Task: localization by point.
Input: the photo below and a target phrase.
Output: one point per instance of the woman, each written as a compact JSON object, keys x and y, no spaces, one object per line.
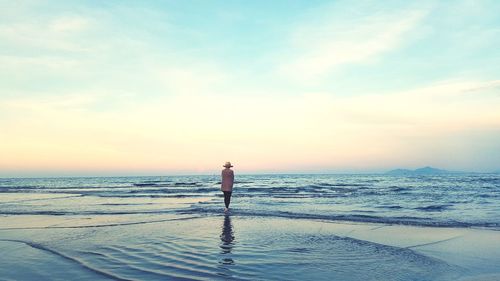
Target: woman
{"x":227,"y":184}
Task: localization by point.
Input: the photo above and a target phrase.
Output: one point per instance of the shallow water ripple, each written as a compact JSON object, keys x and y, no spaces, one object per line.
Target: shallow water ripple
{"x":239,"y":248}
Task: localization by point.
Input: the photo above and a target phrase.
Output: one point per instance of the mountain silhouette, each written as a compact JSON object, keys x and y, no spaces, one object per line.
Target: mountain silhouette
{"x":420,"y":171}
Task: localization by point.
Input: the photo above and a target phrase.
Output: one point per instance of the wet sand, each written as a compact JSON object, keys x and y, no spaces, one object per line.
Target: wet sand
{"x":231,"y":247}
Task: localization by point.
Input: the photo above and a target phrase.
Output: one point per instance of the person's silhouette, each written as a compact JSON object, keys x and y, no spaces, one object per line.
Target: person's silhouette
{"x":227,"y":184}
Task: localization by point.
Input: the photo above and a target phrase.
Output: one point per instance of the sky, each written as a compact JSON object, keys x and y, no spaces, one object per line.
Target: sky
{"x":180,"y":87}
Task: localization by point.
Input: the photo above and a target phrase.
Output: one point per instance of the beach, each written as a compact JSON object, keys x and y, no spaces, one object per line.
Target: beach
{"x":230,"y":247}
{"x":48,"y":234}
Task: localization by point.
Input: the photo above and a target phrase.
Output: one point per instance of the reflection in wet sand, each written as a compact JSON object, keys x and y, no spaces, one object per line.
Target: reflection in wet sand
{"x":227,"y":238}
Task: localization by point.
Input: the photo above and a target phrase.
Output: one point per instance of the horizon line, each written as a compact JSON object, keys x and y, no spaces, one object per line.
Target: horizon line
{"x":243,"y":174}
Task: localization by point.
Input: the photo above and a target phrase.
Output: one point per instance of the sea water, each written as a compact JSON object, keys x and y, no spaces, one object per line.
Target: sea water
{"x":456,"y":200}
{"x":280,"y":227}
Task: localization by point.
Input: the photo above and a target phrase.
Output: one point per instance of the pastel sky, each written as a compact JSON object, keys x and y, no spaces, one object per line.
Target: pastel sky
{"x":180,"y":87}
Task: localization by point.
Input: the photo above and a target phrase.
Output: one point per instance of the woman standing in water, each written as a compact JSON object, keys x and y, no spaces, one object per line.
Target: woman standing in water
{"x":227,"y":184}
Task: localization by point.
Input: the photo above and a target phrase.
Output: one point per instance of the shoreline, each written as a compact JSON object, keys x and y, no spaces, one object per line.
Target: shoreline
{"x":448,"y":253}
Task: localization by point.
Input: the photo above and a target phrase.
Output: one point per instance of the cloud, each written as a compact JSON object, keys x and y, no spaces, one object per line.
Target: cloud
{"x":195,"y":78}
{"x":46,"y":63}
{"x":69,"y":24}
{"x":318,"y":129}
{"x":322,"y":47}
{"x":60,"y":34}
{"x":51,"y":104}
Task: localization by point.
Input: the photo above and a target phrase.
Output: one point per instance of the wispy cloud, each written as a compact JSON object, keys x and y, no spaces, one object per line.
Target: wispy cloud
{"x":319,"y":48}
{"x":195,"y":78}
{"x":317,"y":128}
{"x":59,"y":34}
{"x":69,"y":24}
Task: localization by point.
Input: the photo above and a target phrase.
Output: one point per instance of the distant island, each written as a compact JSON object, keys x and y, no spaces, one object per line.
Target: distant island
{"x":421,"y":171}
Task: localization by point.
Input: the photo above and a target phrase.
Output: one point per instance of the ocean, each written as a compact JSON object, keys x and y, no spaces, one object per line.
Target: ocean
{"x":280,"y":227}
{"x":456,"y":200}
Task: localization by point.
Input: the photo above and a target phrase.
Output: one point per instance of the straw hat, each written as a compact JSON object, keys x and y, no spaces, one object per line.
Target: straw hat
{"x":228,"y":165}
